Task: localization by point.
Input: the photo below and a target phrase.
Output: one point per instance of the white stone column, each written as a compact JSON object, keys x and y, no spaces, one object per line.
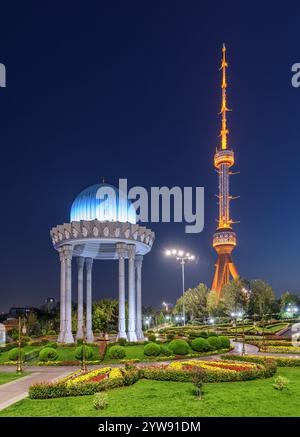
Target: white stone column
{"x":131,"y":294}
{"x":121,"y":251}
{"x":89,"y":331}
{"x":62,"y":304}
{"x":80,"y":266}
{"x":68,"y":337}
{"x":139,"y":326}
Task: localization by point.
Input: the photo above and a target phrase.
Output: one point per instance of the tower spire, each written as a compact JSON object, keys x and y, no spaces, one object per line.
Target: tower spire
{"x":224,"y":109}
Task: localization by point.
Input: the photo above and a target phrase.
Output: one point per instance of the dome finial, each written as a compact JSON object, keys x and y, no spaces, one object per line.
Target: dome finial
{"x":103,"y":180}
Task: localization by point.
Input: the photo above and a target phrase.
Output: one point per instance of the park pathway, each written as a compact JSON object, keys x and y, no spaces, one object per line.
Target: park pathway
{"x":14,"y":391}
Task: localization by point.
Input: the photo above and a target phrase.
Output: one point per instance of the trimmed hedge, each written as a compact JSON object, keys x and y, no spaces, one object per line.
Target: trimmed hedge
{"x":225,"y":341}
{"x":179,"y":347}
{"x":87,"y":350}
{"x":200,"y":345}
{"x":152,"y":349}
{"x":117,"y":352}
{"x":13,"y":354}
{"x":165,"y":351}
{"x":48,"y":354}
{"x":214,"y":342}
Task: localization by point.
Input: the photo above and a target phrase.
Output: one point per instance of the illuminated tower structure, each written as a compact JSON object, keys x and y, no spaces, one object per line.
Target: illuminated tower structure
{"x":224,"y":239}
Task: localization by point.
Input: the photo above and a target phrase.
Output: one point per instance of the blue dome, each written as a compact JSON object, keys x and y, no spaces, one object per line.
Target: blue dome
{"x":104,"y":203}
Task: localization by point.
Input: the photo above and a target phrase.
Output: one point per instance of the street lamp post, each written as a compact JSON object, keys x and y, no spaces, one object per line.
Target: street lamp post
{"x":19,"y":362}
{"x":182,"y":257}
{"x":83,"y":356}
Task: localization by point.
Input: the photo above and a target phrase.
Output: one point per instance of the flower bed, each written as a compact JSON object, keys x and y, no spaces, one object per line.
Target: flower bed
{"x":280,"y":361}
{"x":79,"y":384}
{"x":281,"y":349}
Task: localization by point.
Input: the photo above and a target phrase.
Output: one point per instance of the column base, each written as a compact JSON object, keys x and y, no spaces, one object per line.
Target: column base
{"x":68,"y":338}
{"x":132,"y":336}
{"x":122,"y":334}
{"x":79,"y":334}
{"x":90,"y":337}
{"x":61,"y":336}
{"x":140,"y":335}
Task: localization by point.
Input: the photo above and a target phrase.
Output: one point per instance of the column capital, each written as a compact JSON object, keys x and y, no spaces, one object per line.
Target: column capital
{"x":80,"y":262}
{"x":138,"y":261}
{"x":66,"y":252}
{"x":89,"y":264}
{"x":121,"y":250}
{"x":131,"y":251}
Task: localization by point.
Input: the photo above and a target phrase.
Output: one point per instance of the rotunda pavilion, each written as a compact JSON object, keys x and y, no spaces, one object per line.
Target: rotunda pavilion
{"x":102,"y":227}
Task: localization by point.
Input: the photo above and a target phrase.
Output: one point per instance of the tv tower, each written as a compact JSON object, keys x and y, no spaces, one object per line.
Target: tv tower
{"x":224,"y":239}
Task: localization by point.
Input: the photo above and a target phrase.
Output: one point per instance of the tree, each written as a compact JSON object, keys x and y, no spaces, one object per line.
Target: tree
{"x":105,"y":315}
{"x":288,"y":299}
{"x":195,"y":302}
{"x":235,"y":296}
{"x":32,"y":324}
{"x":262,"y":298}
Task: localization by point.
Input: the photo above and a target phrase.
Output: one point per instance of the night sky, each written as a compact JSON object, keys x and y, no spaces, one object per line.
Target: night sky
{"x":132,"y":89}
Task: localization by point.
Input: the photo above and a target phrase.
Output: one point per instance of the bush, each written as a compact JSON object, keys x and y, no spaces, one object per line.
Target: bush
{"x":117,"y":352}
{"x":225,"y":342}
{"x":214,"y":342}
{"x":165,"y":351}
{"x":152,"y":349}
{"x":200,"y":345}
{"x":87,"y":350}
{"x":13,"y":354}
{"x":152,"y":338}
{"x":48,"y":354}
{"x":100,"y":401}
{"x":281,"y":383}
{"x":179,"y":347}
{"x":122,"y":341}
{"x":170,"y":336}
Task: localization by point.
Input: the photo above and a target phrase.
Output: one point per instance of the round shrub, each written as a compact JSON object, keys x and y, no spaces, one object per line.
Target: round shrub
{"x":48,"y":354}
{"x":152,"y":349}
{"x":87,"y":350}
{"x":122,"y":341}
{"x":165,"y":351}
{"x":200,"y":344}
{"x":225,"y":342}
{"x":13,"y":354}
{"x":117,"y":352}
{"x":214,"y":342}
{"x":179,"y":347}
{"x":152,"y":337}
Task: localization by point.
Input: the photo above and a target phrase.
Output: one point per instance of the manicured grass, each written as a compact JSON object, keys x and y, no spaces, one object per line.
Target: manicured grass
{"x":161,"y":398}
{"x":68,"y":353}
{"x":131,"y":353}
{"x":4,"y":355}
{"x":9,"y":376}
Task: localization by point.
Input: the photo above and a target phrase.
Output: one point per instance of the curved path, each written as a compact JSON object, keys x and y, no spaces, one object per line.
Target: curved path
{"x":17,"y":390}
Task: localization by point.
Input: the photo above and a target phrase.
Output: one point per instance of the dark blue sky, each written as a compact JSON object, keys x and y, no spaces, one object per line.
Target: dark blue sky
{"x":132,"y":89}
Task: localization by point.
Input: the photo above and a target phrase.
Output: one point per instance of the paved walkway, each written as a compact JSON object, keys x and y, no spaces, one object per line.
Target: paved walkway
{"x":16,"y":390}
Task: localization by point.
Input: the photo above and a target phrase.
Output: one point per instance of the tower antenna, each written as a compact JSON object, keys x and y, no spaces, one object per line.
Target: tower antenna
{"x":224,"y":109}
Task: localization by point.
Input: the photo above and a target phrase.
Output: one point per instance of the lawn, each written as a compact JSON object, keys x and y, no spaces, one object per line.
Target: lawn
{"x":174,"y":399}
{"x":68,"y":353}
{"x":131,"y":353}
{"x":4,"y":355}
{"x":9,"y":376}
